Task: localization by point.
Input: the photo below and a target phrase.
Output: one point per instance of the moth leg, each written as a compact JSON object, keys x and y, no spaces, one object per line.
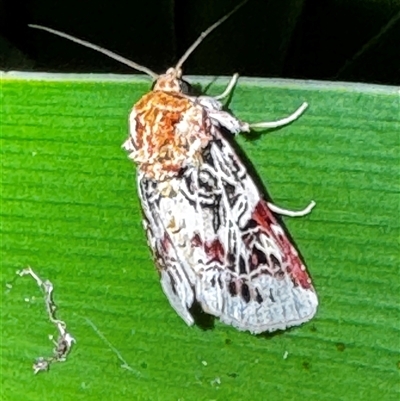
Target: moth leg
{"x":233,"y":124}
{"x":229,"y":88}
{"x":291,"y":213}
{"x":284,"y":121}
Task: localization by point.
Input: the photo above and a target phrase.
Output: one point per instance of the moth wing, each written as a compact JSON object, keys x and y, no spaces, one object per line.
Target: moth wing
{"x":258,"y":282}
{"x":174,"y":280}
{"x":179,"y":294}
{"x":256,"y":304}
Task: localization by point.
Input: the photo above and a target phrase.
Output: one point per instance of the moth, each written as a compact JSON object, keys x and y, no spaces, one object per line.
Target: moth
{"x":216,"y":241}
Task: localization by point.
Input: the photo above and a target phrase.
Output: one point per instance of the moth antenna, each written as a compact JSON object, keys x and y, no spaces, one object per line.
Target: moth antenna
{"x":206,"y":33}
{"x":99,"y":49}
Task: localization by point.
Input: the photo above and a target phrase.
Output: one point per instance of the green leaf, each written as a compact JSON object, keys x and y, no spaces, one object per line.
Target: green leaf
{"x":70,"y":210}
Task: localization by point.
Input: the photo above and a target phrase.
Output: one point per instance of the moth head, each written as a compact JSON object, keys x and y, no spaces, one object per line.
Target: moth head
{"x":171,"y":81}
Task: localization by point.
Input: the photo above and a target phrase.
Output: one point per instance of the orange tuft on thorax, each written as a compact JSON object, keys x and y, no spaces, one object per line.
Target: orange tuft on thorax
{"x":168,"y":132}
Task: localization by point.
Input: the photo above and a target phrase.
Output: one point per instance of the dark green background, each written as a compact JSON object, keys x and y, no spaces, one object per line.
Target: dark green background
{"x":332,"y":39}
